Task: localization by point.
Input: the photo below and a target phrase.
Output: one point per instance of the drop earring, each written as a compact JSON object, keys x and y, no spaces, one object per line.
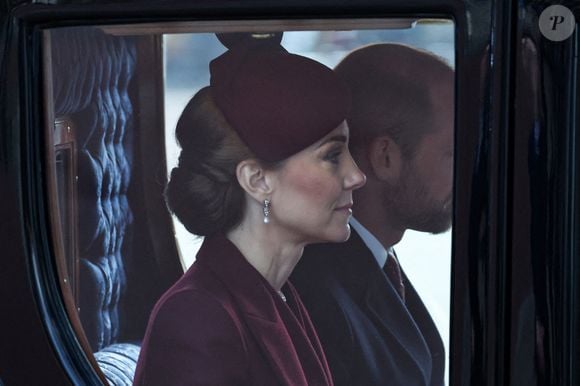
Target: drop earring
{"x":266,"y":210}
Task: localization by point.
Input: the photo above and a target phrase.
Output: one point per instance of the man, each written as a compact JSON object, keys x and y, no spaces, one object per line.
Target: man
{"x":374,"y":328}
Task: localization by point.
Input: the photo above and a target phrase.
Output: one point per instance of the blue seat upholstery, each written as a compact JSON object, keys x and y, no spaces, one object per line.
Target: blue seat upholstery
{"x":92,"y":75}
{"x":94,"y":89}
{"x":118,"y":362}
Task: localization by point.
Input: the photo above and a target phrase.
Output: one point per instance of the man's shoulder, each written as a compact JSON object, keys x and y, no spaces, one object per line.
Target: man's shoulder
{"x":328,"y":259}
{"x":334,"y":270}
{"x":333,"y":258}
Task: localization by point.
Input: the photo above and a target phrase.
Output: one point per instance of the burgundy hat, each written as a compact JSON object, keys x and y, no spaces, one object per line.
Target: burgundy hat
{"x":278,"y":103}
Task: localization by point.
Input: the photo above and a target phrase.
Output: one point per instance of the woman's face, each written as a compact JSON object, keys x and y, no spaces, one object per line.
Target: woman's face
{"x":312,"y":198}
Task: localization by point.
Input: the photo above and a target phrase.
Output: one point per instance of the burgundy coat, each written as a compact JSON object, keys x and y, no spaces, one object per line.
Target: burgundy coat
{"x":223,"y":324}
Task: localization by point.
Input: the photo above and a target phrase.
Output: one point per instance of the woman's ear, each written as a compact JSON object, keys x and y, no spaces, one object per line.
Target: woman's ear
{"x":385,"y":158}
{"x":252,"y":177}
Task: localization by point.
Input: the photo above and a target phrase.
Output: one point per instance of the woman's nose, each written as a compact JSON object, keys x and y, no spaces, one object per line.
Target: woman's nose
{"x":355,"y":178}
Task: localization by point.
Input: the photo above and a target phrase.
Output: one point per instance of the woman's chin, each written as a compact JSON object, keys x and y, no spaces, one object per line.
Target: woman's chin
{"x":336,"y":234}
{"x":341,"y":235}
{"x":346,"y":233}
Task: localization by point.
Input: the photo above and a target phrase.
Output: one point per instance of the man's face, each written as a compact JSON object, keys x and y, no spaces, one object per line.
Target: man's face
{"x":423,"y":198}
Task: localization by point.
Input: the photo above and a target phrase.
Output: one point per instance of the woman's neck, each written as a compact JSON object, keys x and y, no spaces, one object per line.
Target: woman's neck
{"x":267,"y":251}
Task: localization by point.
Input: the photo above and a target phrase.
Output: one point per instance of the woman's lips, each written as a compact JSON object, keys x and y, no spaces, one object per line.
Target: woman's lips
{"x":346,"y":208}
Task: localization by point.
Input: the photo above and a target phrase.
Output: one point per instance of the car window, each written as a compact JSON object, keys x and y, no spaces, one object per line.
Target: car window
{"x":114,"y":96}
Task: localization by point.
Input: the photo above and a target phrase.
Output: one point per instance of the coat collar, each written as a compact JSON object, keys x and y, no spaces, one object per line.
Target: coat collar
{"x":286,"y":338}
{"x":428,"y":329}
{"x":382,"y":300}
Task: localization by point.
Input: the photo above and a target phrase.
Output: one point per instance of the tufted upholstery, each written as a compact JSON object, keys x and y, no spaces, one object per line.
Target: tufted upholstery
{"x":118,"y":363}
{"x":92,"y":72}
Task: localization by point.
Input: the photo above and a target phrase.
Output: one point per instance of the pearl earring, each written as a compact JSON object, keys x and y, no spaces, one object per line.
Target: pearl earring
{"x":266,"y":210}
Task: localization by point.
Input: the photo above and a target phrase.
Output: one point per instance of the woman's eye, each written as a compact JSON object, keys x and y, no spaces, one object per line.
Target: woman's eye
{"x":333,"y":156}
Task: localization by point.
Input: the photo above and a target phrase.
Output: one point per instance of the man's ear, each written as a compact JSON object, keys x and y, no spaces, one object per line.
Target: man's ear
{"x":252,"y":177}
{"x":385,"y":158}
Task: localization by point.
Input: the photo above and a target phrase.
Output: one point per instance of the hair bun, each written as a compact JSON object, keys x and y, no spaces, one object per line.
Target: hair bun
{"x":234,"y":40}
{"x":202,"y":204}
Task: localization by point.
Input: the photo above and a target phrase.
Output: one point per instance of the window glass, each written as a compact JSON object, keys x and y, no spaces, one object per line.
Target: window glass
{"x":114,"y":95}
{"x":187,"y":57}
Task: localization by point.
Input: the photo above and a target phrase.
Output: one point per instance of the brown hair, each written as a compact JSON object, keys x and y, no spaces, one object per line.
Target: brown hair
{"x":390,"y":86}
{"x":203,"y":190}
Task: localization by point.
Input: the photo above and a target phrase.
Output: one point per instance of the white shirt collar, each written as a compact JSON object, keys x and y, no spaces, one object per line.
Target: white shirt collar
{"x":373,"y":244}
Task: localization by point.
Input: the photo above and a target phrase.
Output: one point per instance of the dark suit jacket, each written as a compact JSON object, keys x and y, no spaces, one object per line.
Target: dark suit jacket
{"x":370,"y":337}
{"x":223,"y":324}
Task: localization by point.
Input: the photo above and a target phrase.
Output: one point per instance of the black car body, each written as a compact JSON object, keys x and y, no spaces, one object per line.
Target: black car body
{"x":515,"y":272}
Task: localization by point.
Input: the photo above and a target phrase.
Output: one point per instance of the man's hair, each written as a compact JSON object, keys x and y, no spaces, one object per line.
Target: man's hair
{"x":391,"y":87}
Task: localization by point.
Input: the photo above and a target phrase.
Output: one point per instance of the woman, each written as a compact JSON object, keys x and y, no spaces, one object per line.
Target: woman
{"x":264,"y":170}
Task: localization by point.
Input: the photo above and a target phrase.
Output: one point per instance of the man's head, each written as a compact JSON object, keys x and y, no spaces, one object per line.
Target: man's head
{"x":401,"y":126}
